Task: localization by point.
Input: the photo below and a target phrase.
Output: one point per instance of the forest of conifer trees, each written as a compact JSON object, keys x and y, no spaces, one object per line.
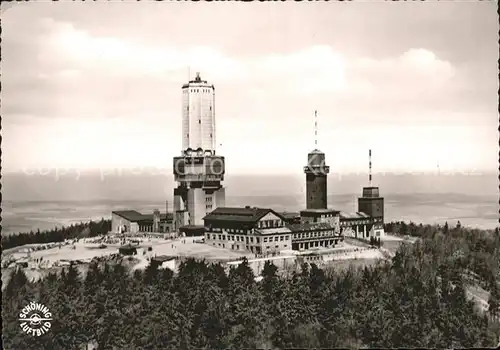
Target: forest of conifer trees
{"x":417,"y":300}
{"x":88,"y":229}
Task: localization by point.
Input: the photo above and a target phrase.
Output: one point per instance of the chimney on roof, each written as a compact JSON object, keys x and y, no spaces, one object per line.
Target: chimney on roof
{"x":247,"y":207}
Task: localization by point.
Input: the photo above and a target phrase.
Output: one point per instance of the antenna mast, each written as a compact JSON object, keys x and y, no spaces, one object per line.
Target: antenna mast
{"x":315,"y":128}
{"x":370,"y":167}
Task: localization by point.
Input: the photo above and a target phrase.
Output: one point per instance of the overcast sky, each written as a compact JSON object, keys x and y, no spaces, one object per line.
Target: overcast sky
{"x":88,"y":85}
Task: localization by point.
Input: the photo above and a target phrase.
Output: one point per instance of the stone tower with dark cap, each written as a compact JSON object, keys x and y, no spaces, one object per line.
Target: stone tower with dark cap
{"x":316,"y":172}
{"x":370,"y":202}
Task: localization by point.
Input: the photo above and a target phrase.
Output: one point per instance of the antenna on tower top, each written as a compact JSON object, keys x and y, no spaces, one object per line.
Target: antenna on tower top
{"x":370,"y":167}
{"x":189,"y":73}
{"x":315,"y":128}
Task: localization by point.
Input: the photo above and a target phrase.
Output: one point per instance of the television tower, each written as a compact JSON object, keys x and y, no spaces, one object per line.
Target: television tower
{"x":370,"y":168}
{"x":198,"y":171}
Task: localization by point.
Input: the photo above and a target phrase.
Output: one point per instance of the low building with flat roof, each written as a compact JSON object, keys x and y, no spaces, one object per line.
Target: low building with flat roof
{"x":131,"y":221}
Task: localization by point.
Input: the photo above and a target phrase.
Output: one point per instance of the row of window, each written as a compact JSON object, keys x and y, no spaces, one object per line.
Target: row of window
{"x":198,"y":90}
{"x":237,"y":246}
{"x":269,"y":223}
{"x":351,"y":223}
{"x":228,"y":230}
{"x":248,"y":239}
{"x":149,"y":228}
{"x":313,"y":234}
{"x":281,"y":238}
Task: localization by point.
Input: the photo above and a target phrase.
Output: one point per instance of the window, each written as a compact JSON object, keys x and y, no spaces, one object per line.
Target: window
{"x":251,"y":239}
{"x":281,"y":238}
{"x":265,"y":239}
{"x":276,"y":239}
{"x":287,"y":237}
{"x":257,"y":239}
{"x":199,"y":121}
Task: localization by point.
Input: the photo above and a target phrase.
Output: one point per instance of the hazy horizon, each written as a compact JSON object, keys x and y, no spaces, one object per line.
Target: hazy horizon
{"x":24,"y":187}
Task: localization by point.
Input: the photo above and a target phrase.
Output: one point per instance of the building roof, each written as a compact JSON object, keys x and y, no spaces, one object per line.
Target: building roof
{"x":316,"y":151}
{"x":135,"y":216}
{"x":319,"y":211}
{"x":246,"y":214}
{"x":357,"y":215}
{"x":289,"y":215}
{"x":273,"y":230}
{"x":310,"y":226}
{"x":130,"y":215}
{"x":187,"y":228}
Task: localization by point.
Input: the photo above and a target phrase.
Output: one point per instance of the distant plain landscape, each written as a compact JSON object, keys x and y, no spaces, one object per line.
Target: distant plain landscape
{"x":33,"y":202}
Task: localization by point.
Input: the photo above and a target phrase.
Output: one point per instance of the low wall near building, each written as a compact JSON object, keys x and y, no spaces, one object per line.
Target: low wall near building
{"x":257,"y":265}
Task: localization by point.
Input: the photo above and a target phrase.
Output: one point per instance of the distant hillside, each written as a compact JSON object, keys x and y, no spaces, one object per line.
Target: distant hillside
{"x":128,"y":186}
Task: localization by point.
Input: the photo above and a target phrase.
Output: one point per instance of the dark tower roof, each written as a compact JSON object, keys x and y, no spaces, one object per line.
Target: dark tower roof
{"x":316,"y":151}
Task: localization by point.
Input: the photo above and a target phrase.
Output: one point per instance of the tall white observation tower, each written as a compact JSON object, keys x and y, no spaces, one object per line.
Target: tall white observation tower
{"x":198,"y":171}
{"x":198,"y":115}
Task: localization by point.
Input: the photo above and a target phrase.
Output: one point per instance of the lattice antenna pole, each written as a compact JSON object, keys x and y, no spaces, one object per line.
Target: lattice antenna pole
{"x":316,"y":128}
{"x":370,"y":167}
